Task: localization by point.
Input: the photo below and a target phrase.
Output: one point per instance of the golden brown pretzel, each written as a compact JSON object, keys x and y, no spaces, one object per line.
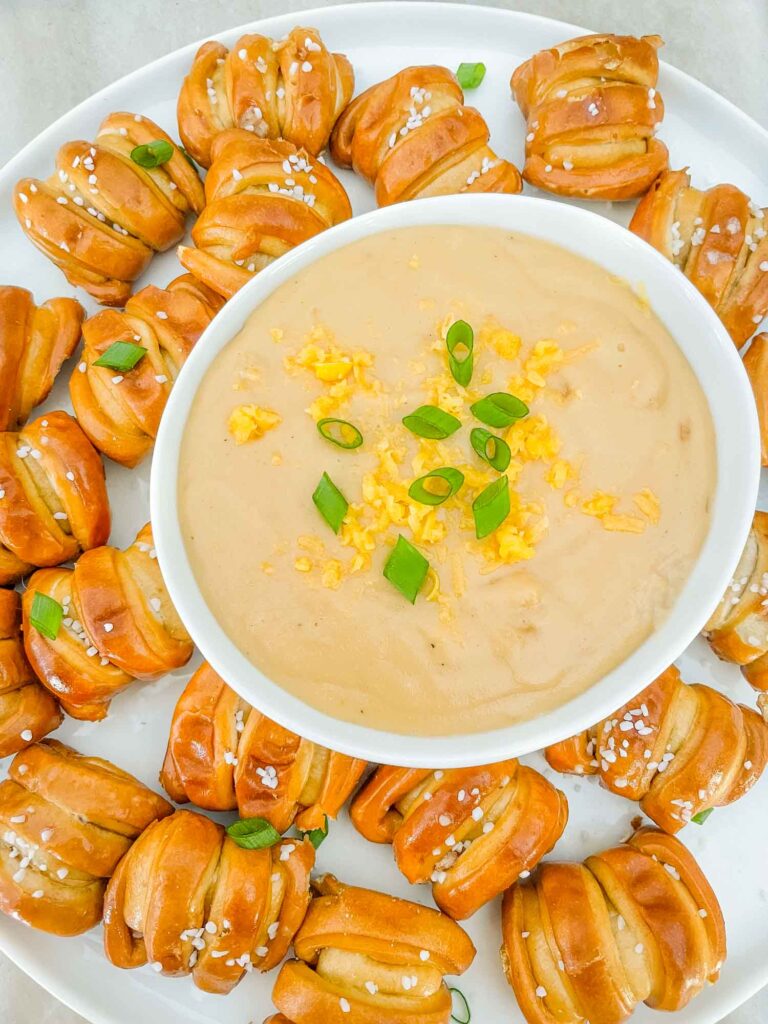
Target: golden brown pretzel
{"x":118,"y":625}
{"x":293,"y":89}
{"x":636,"y":923}
{"x":101,"y":216}
{"x":677,"y":748}
{"x":367,"y":958}
{"x":224,"y":755}
{"x":737,"y":631}
{"x":756,"y":365}
{"x":66,"y":821}
{"x":592,"y":108}
{"x":263,"y":198}
{"x":34,"y":342}
{"x":470,"y":831}
{"x":27,"y":711}
{"x":120,"y":411}
{"x":53,"y":496}
{"x":411,"y":136}
{"x":187,"y":899}
{"x":718,"y":238}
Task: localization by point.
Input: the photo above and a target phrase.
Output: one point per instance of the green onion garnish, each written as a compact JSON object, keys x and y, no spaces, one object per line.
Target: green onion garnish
{"x":460,"y":339}
{"x":470,"y":75}
{"x":448,"y":482}
{"x":318,"y":835}
{"x":122,"y":356}
{"x":491,"y":507}
{"x":406,"y":568}
{"x":429,"y":421}
{"x":466,"y":1013}
{"x":493,"y":450}
{"x":330,"y":502}
{"x":152,"y":154}
{"x":702,"y":816}
{"x":499,"y":409}
{"x":253,"y":833}
{"x":340,"y":432}
{"x":187,"y":157}
{"x":46,"y":615}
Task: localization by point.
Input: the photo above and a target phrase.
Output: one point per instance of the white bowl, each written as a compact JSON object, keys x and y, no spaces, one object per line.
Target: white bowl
{"x":714,"y":360}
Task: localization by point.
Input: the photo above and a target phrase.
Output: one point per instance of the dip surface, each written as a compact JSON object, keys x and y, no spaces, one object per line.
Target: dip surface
{"x":611,"y":479}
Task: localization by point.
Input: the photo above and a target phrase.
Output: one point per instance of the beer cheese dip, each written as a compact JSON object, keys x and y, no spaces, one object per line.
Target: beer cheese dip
{"x":604,"y":437}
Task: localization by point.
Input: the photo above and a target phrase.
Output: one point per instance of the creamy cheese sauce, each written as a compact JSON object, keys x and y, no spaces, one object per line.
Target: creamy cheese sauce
{"x":494,"y":637}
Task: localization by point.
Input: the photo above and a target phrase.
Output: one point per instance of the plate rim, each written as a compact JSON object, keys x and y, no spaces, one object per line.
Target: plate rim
{"x":41,"y":971}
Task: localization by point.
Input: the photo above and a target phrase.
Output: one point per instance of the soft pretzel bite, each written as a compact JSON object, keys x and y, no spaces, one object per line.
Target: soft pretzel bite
{"x":293,"y":89}
{"x":118,"y":625}
{"x":470,"y":831}
{"x":67,"y":819}
{"x":592,"y":109}
{"x":121,"y":411}
{"x":54,"y":497}
{"x":101,"y":215}
{"x":264,"y":197}
{"x":188,"y":899}
{"x":636,"y":923}
{"x":411,"y":136}
{"x":224,"y":755}
{"x":368,"y":958}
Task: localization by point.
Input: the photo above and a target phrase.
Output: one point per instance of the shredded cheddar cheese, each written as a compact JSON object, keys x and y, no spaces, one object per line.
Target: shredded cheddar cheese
{"x":249,"y":422}
{"x":383,"y":506}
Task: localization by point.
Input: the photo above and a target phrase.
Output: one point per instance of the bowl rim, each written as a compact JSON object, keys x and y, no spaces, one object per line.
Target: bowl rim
{"x":709,"y":351}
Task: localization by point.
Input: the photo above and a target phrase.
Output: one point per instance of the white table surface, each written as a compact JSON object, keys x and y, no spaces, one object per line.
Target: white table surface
{"x":54,"y":53}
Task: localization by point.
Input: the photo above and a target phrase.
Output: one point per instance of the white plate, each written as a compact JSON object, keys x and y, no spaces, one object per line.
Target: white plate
{"x":721,"y":144}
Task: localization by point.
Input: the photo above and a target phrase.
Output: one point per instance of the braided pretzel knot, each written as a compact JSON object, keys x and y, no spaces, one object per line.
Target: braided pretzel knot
{"x":738,"y":628}
{"x":54,"y":500}
{"x":293,"y":89}
{"x":592,"y":109}
{"x":718,"y":238}
{"x":636,"y":923}
{"x":101,"y":216}
{"x":224,"y":755}
{"x":121,"y":412}
{"x":264,"y":197}
{"x":677,"y":748}
{"x":27,"y":711}
{"x":470,"y":831}
{"x":119,"y":625}
{"x":34,"y":342}
{"x":187,"y":899}
{"x":367,"y":958}
{"x":67,"y":820}
{"x":411,"y":136}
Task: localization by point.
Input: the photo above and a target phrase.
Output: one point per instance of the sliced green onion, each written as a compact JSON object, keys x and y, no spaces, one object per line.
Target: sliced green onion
{"x":460,"y":337}
{"x":450,"y":481}
{"x":406,"y":568}
{"x":499,"y":409}
{"x":317,"y":836}
{"x":253,"y":833}
{"x":429,"y":421}
{"x":46,"y":615}
{"x":493,"y":450}
{"x":466,"y":1013}
{"x":491,"y":507}
{"x":187,"y":157}
{"x":122,"y":356}
{"x":702,"y":816}
{"x":340,"y":432}
{"x":330,"y":502}
{"x":470,"y":75}
{"x":152,"y":154}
